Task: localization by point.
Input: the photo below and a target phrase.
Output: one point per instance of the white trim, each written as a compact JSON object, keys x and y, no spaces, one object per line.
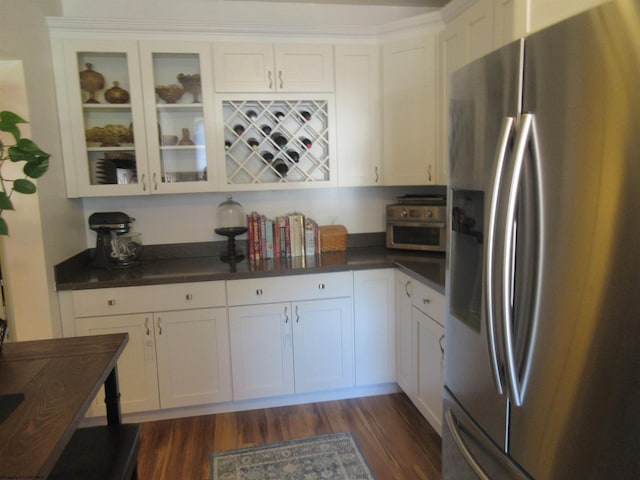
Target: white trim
{"x":455,"y":8}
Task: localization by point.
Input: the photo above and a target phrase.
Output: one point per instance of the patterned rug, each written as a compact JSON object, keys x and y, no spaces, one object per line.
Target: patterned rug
{"x":327,"y":457}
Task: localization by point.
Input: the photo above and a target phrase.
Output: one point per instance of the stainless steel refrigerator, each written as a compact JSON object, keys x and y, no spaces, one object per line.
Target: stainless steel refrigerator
{"x":542,"y":359}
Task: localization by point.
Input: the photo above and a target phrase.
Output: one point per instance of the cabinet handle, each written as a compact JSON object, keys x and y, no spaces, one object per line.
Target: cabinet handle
{"x":144,"y":183}
{"x":111,"y":303}
{"x":189,"y":297}
{"x":280,"y":77}
{"x":155,"y":181}
{"x":286,"y":317}
{"x":429,"y":172}
{"x":270,"y":77}
{"x":259,"y":291}
{"x":321,"y":286}
{"x":441,"y":342}
{"x":426,"y":301}
{"x":377,"y":175}
{"x":146,"y":325}
{"x":406,"y":288}
{"x":159,"y":326}
{"x":297,"y":315}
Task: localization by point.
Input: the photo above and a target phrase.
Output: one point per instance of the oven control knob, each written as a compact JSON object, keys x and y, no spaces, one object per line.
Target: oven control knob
{"x":403,"y":212}
{"x":429,"y":213}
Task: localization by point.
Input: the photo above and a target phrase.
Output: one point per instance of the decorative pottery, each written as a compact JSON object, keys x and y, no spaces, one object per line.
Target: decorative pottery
{"x":116,"y":94}
{"x":191,"y":84}
{"x":186,"y":137}
{"x":170,"y":93}
{"x":91,"y":82}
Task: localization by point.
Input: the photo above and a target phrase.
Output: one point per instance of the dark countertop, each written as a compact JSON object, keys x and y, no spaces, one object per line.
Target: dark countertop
{"x":201,"y":262}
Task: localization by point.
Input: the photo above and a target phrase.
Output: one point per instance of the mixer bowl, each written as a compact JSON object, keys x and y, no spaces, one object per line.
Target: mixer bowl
{"x":124,"y":250}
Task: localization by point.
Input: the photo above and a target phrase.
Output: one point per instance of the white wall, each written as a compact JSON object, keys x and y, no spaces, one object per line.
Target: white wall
{"x":192,"y":218}
{"x":47,"y":227}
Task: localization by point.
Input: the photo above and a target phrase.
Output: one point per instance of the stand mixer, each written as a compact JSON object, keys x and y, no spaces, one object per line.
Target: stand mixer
{"x":116,"y":246}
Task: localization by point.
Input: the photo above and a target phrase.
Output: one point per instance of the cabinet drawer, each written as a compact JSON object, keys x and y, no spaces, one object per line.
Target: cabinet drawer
{"x":289,"y":289}
{"x":428,"y":301}
{"x":148,"y":298}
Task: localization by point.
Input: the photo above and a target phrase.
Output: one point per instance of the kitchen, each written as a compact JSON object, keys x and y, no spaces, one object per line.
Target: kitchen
{"x":366,"y":215}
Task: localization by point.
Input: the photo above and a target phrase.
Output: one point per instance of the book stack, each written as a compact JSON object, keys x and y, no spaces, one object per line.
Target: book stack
{"x":292,"y":235}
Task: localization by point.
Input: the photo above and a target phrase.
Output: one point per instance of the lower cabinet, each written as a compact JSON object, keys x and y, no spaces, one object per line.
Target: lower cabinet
{"x":420,"y":346}
{"x":174,"y":358}
{"x":285,"y":348}
{"x":288,"y":347}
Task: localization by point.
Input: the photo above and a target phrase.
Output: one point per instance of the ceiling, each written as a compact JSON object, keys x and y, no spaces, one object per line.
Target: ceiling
{"x":390,"y":3}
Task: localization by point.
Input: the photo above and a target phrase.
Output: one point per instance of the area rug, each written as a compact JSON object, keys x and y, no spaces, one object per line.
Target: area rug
{"x":326,"y":457}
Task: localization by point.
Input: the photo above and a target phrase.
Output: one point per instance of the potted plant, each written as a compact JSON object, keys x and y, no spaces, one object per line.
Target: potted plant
{"x":36,"y":163}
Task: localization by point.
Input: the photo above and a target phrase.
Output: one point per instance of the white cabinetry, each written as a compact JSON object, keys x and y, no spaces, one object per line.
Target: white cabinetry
{"x":119,"y":137}
{"x":409,"y":90}
{"x":178,"y":350}
{"x":420,"y":324}
{"x":374,"y":308}
{"x":264,"y":67}
{"x":358,"y":115}
{"x":291,"y":334}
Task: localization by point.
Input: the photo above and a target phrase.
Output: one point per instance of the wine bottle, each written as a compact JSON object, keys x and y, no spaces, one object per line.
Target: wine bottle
{"x":306,"y":116}
{"x":239,"y":129}
{"x":252,"y":116}
{"x":267,"y":157}
{"x":293,"y":155}
{"x":253,"y":143}
{"x":266,"y":129}
{"x":306,"y":142}
{"x":279,"y":116}
{"x":279,"y":139}
{"x":227,"y":144}
{"x":281,"y":167}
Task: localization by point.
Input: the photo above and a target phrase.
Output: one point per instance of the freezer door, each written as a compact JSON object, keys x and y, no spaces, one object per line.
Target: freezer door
{"x":468,"y":454}
{"x":579,"y":416}
{"x":485,"y":101}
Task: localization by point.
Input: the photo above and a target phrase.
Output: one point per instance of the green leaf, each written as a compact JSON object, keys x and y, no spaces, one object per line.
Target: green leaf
{"x":36,"y":168}
{"x":26,"y":150}
{"x":5,"y":202}
{"x":24,"y":186}
{"x":9,"y":122}
{"x":4,"y":228}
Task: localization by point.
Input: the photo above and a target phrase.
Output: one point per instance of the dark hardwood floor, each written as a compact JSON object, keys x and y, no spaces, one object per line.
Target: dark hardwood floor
{"x":396,"y":440}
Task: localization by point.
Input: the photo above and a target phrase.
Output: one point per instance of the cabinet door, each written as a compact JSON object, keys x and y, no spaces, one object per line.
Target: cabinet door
{"x":323,"y":345}
{"x":261,"y":350}
{"x":102,"y":118}
{"x":303,"y":68}
{"x":137,"y":364}
{"x":244,"y":67}
{"x":358,"y":115}
{"x":406,"y":345}
{"x":430,"y":361}
{"x":409,"y":89}
{"x":177,"y":79}
{"x":374,"y":302}
{"x":193,"y":357}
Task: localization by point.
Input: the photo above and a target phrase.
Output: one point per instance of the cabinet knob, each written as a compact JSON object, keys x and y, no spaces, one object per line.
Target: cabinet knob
{"x":111,"y":303}
{"x":259,"y":291}
{"x":189,"y":297}
{"x":426,"y":301}
{"x":321,"y":286}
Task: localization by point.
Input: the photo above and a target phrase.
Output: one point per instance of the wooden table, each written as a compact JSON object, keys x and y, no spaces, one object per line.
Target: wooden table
{"x":59,"y":379}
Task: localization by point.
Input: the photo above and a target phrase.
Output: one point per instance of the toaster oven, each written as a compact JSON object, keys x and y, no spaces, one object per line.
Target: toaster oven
{"x":417,"y":223}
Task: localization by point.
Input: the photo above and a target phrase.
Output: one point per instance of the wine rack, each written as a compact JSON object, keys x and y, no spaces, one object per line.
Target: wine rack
{"x":276,"y":141}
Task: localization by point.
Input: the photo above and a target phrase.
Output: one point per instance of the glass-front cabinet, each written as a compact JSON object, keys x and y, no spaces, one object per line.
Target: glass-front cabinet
{"x":134,"y":117}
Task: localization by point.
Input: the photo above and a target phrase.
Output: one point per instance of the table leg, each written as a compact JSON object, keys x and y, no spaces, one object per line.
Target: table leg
{"x":112,"y":398}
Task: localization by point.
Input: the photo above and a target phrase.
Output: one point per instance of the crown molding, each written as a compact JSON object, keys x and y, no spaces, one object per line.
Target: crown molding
{"x":82,"y":26}
{"x":454,"y":8}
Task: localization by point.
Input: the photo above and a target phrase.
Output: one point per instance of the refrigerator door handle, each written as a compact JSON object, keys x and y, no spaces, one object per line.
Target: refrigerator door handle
{"x":452,"y":423}
{"x":490,"y":259}
{"x":516,"y":387}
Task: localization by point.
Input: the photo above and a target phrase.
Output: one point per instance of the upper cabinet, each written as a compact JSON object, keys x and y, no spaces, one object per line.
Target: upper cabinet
{"x":265,"y":67}
{"x":134,"y":120}
{"x":410,"y":109}
{"x":358,"y":115}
